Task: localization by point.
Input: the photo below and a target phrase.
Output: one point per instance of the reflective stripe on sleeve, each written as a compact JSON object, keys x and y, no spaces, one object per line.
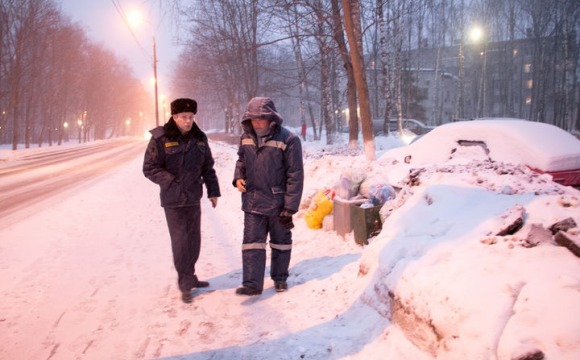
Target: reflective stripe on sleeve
{"x":281,"y":246}
{"x":276,"y":144}
{"x":254,"y":246}
{"x":248,"y":142}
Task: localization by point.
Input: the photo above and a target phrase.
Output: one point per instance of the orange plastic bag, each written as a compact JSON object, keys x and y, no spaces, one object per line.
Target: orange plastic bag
{"x":320,"y":207}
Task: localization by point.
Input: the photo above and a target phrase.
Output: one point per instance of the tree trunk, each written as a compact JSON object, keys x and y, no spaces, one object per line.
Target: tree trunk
{"x":386,"y":62}
{"x":351,"y":12}
{"x":303,"y":87}
{"x":350,"y":83}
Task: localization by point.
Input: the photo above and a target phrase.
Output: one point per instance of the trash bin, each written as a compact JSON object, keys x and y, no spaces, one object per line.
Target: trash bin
{"x":342,"y":214}
{"x":366,"y":222}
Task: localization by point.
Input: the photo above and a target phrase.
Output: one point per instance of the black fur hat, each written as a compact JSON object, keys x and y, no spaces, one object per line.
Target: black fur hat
{"x":183,"y":105}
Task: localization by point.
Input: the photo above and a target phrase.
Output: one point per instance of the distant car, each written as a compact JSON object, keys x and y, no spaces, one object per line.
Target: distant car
{"x":542,"y":147}
{"x":415,"y":126}
{"x":411,"y":127}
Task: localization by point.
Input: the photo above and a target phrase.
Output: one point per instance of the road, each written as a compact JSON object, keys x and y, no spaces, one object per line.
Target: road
{"x":34,"y":177}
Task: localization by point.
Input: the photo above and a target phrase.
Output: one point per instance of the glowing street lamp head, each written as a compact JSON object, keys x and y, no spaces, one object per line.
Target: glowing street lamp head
{"x":476,"y":34}
{"x":135,"y":18}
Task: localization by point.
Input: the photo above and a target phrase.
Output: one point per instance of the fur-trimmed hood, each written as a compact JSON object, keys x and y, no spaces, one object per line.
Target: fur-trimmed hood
{"x":260,"y":107}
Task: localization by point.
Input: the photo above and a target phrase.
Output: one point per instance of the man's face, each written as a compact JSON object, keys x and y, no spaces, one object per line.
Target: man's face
{"x":184,"y":121}
{"x":261,"y":126}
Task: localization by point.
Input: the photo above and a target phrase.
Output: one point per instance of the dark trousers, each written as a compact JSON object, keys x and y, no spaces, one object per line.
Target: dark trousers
{"x":256,"y":230}
{"x":184,"y":230}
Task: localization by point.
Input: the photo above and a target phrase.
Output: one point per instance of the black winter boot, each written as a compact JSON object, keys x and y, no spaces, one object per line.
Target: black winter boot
{"x":186,"y":297}
{"x":280,"y":286}
{"x":198,"y":283}
{"x":243,"y":290}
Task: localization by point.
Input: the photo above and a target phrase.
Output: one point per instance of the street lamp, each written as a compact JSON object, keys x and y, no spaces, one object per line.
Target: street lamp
{"x":65,"y":125}
{"x":155,"y":77}
{"x":80,"y":125}
{"x":127,"y":127}
{"x":477,"y":35}
{"x":135,"y":19}
{"x":1,"y":126}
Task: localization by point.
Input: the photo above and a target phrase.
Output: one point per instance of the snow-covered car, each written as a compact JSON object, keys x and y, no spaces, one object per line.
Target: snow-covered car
{"x":415,"y":126}
{"x":542,"y":147}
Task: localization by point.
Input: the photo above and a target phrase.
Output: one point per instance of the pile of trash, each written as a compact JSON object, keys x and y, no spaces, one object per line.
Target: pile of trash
{"x":354,"y":202}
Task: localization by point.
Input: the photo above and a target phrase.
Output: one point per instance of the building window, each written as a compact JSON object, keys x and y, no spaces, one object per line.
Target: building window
{"x":527,"y":68}
{"x":530,"y":84}
{"x":528,"y":100}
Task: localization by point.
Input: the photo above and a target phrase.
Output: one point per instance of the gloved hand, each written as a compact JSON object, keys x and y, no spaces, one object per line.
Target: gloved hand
{"x":286,"y":219}
{"x":213,"y":201}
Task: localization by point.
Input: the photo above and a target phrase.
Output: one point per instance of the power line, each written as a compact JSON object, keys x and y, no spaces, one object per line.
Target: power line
{"x":121,"y":13}
{"x":123,"y":16}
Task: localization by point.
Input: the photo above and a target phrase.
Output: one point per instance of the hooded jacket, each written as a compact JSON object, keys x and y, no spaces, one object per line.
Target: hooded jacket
{"x":180,"y":164}
{"x":272,"y":167}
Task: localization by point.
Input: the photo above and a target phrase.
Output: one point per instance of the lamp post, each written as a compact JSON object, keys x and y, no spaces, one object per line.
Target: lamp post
{"x":477,"y":35}
{"x":2,"y":129}
{"x":134,"y":19}
{"x":461,"y":100}
{"x":164,"y":111}
{"x":80,"y":124}
{"x":65,"y":126}
{"x":128,"y":127}
{"x":155,"y":77}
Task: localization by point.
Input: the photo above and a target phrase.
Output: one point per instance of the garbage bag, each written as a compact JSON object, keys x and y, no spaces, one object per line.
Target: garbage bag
{"x":320,"y":207}
{"x":349,"y":183}
{"x":370,"y":181}
{"x":379,"y":194}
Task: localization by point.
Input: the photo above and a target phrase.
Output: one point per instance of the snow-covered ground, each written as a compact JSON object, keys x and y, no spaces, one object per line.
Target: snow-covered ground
{"x":89,"y":275}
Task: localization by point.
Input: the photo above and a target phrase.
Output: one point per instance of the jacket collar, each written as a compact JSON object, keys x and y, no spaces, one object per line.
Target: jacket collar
{"x":173,"y":133}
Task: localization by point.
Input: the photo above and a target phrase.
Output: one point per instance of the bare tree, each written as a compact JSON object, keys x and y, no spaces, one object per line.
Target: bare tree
{"x":66,"y":63}
{"x":19,"y":38}
{"x":303,"y":81}
{"x":326,"y":53}
{"x":565,"y":51}
{"x":351,"y":95}
{"x":52,"y":77}
{"x":541,"y":15}
{"x":353,"y":31}
{"x":401,"y":37}
{"x":224,"y":49}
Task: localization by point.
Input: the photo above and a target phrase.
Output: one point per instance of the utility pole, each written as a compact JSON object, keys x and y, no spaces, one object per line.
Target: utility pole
{"x":461,"y":105}
{"x":155,"y":79}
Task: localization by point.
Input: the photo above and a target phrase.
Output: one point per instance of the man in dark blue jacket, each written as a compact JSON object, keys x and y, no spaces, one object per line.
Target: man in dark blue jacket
{"x":270,"y":175}
{"x":179,"y":159}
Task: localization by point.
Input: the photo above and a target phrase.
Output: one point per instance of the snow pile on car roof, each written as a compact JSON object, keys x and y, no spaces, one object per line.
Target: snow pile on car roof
{"x":538,"y":145}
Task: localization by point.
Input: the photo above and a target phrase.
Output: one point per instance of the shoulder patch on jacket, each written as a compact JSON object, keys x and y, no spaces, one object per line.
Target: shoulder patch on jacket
{"x":248,"y":142}
{"x":171,"y":144}
{"x":201,"y":143}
